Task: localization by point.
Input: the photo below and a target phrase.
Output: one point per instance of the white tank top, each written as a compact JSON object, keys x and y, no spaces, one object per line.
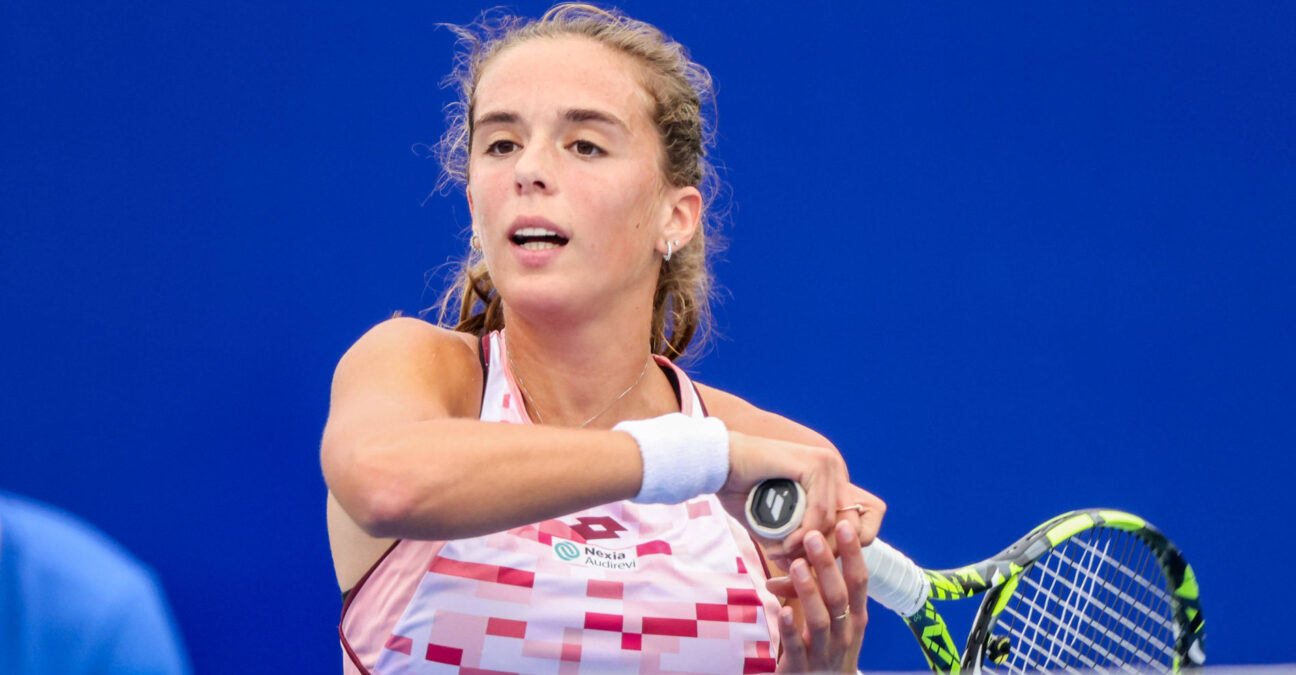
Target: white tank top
{"x":622,"y":587}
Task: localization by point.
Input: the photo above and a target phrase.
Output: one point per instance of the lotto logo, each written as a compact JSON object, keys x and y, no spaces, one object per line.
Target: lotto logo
{"x":601,"y":527}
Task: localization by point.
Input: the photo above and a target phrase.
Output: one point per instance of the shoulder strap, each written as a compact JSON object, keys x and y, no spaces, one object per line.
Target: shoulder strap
{"x":674,"y":383}
{"x":678,"y":378}
{"x":483,"y":355}
{"x":701,"y":401}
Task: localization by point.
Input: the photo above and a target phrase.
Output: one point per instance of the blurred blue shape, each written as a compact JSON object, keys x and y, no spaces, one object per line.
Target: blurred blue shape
{"x":74,"y":601}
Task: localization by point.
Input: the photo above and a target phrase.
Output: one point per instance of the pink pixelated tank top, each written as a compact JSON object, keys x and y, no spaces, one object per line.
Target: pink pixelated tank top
{"x":619,"y":588}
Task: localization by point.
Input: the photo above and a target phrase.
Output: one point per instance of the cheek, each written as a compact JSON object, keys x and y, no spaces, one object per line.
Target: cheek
{"x":632,"y":199}
{"x":628,"y":212}
{"x":486,"y":190}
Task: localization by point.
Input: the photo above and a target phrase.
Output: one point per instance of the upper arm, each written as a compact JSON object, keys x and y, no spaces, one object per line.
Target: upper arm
{"x":743,"y":417}
{"x":402,"y":371}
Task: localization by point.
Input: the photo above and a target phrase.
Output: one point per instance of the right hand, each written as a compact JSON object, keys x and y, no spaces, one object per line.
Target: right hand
{"x":833,"y":602}
{"x":822,"y":473}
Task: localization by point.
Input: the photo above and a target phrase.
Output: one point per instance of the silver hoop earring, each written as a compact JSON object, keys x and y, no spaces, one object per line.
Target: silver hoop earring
{"x":668,"y":251}
{"x":475,"y":242}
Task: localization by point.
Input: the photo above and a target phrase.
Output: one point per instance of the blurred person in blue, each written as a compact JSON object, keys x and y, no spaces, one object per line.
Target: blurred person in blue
{"x":74,"y":601}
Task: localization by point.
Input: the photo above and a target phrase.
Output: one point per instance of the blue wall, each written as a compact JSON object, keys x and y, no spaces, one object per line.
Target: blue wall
{"x":1012,"y":260}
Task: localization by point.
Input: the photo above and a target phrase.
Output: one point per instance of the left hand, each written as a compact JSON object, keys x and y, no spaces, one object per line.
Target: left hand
{"x":833,"y":605}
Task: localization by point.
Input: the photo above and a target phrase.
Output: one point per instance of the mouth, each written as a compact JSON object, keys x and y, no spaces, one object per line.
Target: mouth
{"x":534,"y":234}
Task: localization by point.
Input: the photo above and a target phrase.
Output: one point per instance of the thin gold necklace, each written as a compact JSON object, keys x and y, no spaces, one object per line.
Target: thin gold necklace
{"x":535,"y":406}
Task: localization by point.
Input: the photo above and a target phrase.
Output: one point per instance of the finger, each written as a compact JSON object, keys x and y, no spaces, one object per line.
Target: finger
{"x":820,"y":513}
{"x":832,"y":585}
{"x":853,"y":571}
{"x":775,"y":550}
{"x":849,"y":515}
{"x":829,"y":501}
{"x":790,"y":547}
{"x":817,"y":621}
{"x":794,"y":649}
{"x":870,"y":521}
{"x":781,"y":587}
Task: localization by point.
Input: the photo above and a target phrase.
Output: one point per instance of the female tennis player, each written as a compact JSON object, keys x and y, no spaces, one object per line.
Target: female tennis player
{"x":540,"y":488}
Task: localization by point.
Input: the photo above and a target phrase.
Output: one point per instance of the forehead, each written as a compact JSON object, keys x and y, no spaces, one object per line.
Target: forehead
{"x":550,"y":74}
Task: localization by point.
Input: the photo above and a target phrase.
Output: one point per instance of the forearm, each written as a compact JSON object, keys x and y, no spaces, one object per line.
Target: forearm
{"x":456,"y":478}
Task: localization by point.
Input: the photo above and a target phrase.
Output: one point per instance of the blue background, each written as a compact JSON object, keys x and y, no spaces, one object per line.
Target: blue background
{"x":1012,"y":259}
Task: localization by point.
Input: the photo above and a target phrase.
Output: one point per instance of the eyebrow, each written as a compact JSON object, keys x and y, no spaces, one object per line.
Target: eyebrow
{"x":589,"y":115}
{"x":572,"y":115}
{"x":500,"y":117}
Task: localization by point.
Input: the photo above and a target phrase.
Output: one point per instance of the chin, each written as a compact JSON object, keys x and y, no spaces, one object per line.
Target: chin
{"x":544,"y":300}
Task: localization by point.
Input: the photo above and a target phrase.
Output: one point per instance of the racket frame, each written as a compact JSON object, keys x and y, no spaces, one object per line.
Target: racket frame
{"x":997,"y":577}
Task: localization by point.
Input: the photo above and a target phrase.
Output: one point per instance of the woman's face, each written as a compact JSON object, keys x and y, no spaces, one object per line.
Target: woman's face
{"x":564,"y":181}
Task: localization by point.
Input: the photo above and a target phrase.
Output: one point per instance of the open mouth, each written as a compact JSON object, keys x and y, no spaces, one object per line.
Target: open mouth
{"x":538,"y":238}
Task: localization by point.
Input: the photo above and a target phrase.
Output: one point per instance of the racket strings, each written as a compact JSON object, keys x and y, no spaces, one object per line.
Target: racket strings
{"x":1095,"y":603}
{"x":1082,"y":604}
{"x":1142,"y":608}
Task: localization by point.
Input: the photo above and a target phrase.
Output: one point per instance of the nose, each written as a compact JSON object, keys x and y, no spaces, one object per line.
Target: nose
{"x":531,"y":171}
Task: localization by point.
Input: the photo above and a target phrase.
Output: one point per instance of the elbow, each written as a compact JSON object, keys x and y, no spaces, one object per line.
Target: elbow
{"x":383,"y":510}
{"x":378,"y":497}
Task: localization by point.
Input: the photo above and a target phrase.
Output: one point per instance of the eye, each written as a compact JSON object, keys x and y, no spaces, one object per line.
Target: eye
{"x":586,"y":149}
{"x":501,"y":147}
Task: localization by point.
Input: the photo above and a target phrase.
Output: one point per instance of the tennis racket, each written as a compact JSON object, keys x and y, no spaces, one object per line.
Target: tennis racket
{"x":1094,"y":589}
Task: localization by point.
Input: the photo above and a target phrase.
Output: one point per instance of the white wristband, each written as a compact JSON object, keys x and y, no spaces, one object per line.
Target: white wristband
{"x":683,"y":456}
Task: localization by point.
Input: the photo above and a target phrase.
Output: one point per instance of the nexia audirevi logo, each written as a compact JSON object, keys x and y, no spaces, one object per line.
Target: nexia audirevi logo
{"x":590,"y":555}
{"x":567,"y":550}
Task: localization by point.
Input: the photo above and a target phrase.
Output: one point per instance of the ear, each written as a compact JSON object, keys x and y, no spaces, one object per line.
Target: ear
{"x":472,"y":215}
{"x":683,"y":217}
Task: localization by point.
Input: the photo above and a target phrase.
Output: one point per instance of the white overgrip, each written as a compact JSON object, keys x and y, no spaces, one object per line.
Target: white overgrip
{"x":894,"y":580}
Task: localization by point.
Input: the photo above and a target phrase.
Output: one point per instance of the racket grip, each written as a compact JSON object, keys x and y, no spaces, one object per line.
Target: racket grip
{"x":775,"y":508}
{"x":894,"y":580}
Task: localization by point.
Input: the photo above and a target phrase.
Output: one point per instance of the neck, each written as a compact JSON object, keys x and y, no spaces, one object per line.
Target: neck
{"x":576,"y":371}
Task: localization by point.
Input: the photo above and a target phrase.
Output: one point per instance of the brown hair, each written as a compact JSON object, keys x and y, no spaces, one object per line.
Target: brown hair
{"x":679,"y":89}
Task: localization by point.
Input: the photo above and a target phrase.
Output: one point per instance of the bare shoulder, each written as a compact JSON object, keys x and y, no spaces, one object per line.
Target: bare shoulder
{"x":405,"y":356}
{"x":401,"y":371}
{"x":740,"y":415}
{"x":404,"y":338}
